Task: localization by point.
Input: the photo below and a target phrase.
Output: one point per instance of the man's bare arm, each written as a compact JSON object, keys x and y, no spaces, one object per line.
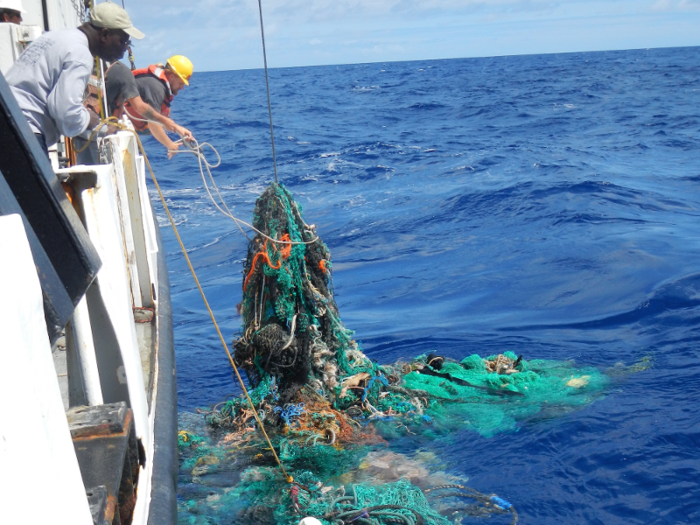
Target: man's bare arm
{"x":162,"y":137}
{"x":149,"y":113}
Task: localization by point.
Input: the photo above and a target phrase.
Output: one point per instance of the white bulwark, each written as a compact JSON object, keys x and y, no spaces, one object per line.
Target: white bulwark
{"x":40,"y":481}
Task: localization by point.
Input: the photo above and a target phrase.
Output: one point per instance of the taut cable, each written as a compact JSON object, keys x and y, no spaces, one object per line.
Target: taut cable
{"x":267,"y":83}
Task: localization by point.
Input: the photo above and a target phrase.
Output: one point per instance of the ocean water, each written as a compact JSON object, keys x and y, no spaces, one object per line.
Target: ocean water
{"x":548,"y":205}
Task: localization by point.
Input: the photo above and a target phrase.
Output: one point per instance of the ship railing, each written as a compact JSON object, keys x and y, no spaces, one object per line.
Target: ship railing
{"x":90,"y":264}
{"x":109,"y":338}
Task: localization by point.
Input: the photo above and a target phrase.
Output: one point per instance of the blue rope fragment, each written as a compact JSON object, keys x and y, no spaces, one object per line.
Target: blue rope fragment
{"x":274,"y":390}
{"x":500,"y":502}
{"x":289,"y":411}
{"x":371,"y":382}
{"x":363,"y":514}
{"x":383,"y":418}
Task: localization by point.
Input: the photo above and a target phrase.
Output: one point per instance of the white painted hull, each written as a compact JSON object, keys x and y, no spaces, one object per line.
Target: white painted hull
{"x":110,"y":357}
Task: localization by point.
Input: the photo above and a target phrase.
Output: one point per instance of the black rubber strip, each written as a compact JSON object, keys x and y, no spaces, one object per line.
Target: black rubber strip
{"x":163,"y":507}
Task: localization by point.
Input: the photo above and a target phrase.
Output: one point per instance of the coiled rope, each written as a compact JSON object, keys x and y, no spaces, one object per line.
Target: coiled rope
{"x":197,"y":149}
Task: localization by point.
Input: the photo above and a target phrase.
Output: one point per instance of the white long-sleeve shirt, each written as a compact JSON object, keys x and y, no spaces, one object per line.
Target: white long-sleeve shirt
{"x":48,"y":81}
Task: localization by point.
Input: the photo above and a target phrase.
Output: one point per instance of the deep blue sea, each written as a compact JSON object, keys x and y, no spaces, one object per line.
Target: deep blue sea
{"x":548,"y":205}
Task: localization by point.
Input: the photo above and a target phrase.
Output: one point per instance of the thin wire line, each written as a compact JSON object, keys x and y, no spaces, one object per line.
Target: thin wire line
{"x":267,"y":83}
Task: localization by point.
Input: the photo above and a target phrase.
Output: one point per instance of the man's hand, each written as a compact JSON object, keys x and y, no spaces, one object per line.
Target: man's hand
{"x":161,"y":136}
{"x":172,"y":149}
{"x":183,"y":132}
{"x":94,"y":119}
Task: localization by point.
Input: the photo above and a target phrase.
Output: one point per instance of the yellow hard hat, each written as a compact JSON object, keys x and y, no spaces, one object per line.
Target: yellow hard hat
{"x":181,"y":66}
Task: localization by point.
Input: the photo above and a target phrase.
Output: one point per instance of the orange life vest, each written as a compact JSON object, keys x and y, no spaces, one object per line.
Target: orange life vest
{"x":157,"y":71}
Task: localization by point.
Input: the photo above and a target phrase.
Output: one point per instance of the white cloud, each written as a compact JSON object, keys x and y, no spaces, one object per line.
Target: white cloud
{"x":225,"y":34}
{"x":662,"y":5}
{"x":317,"y":10}
{"x":236,"y":13}
{"x":676,"y":5}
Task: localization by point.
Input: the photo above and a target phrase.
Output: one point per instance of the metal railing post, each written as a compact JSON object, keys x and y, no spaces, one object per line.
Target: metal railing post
{"x":85,"y":353}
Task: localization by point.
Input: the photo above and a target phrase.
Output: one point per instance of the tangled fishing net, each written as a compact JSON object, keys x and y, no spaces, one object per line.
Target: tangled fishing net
{"x":332,"y":412}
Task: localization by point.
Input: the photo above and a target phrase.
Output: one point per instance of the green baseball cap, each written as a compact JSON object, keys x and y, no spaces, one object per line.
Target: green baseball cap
{"x":111,"y":16}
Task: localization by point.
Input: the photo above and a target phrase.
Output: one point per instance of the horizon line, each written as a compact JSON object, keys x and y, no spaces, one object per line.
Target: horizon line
{"x":452,"y":58}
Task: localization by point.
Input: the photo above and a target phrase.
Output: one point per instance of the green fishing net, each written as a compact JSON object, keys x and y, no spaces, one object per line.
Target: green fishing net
{"x":333,"y":414}
{"x":221,"y":481}
{"x":534,"y":388}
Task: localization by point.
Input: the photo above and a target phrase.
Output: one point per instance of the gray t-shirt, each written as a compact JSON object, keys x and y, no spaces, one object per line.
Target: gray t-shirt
{"x":120,"y":85}
{"x":153,"y":91}
{"x":48,"y":81}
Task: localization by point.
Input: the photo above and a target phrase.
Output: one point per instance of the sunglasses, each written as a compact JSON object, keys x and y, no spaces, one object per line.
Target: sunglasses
{"x":124,"y":39}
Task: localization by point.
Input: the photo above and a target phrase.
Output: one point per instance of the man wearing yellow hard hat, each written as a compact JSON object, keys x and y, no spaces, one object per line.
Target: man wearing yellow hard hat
{"x":158,"y":84}
{"x":123,"y":92}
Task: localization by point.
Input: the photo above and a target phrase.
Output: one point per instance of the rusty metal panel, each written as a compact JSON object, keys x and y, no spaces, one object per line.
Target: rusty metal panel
{"x":108,"y":454}
{"x":102,"y":507}
{"x":100,"y":420}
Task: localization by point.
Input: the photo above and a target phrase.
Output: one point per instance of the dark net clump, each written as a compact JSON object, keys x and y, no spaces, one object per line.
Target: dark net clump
{"x":292,"y":331}
{"x":334,"y":415}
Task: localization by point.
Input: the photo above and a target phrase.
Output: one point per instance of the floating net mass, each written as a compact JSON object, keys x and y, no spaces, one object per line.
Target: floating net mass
{"x":333,"y":413}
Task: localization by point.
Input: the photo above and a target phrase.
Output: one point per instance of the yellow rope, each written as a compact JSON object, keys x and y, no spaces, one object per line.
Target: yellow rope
{"x":112,"y":121}
{"x":99,"y":88}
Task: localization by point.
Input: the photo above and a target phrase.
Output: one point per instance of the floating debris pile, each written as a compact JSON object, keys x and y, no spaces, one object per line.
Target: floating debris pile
{"x":329,"y":409}
{"x":309,"y":374}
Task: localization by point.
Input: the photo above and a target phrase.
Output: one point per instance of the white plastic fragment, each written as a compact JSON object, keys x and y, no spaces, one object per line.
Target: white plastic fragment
{"x":310,"y":521}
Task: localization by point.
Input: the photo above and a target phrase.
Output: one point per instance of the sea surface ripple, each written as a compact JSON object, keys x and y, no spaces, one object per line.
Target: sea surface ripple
{"x":547,"y":205}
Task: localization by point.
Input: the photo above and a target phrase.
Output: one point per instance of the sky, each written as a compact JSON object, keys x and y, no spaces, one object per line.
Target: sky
{"x":220,"y":35}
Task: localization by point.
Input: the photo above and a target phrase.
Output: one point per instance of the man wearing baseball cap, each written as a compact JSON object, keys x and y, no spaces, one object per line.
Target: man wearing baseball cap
{"x":11,"y":11}
{"x":49,"y":78}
